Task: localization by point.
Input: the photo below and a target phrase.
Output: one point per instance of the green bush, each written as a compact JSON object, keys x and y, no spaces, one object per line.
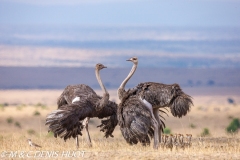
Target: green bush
{"x":233,"y":126}
{"x":205,"y":132}
{"x":167,"y":130}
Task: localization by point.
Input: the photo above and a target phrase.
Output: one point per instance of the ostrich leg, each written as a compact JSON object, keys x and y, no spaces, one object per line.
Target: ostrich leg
{"x":154,"y":123}
{"x":85,"y":124}
{"x":156,"y":137}
{"x":77,"y":143}
{"x":156,"y":115}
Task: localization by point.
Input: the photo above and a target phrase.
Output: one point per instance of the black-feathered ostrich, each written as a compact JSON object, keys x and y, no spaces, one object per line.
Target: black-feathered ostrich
{"x":138,"y":112}
{"x":76,"y":105}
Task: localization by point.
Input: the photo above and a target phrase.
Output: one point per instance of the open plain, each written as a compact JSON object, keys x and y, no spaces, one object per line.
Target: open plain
{"x":23,"y":112}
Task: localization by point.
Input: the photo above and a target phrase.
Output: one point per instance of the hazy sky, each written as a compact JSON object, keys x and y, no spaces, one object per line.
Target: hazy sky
{"x":183,"y":13}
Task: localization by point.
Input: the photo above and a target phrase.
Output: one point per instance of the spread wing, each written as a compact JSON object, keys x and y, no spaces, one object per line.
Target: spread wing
{"x":72,"y":91}
{"x":65,"y":122}
{"x":162,"y":95}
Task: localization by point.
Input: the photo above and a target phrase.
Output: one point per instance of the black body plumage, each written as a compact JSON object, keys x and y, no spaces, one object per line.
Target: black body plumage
{"x":162,"y":95}
{"x":134,"y":119}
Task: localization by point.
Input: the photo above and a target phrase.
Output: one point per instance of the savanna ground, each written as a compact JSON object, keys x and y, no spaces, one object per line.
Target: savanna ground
{"x":23,"y":112}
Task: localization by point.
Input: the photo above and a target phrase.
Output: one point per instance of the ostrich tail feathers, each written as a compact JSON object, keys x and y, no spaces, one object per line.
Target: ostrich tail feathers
{"x":64,"y":124}
{"x":162,"y":111}
{"x":181,"y":105}
{"x":109,"y":125}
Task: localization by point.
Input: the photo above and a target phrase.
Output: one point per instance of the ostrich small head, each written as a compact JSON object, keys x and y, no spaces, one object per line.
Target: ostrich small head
{"x":100,"y":66}
{"x":29,"y":140}
{"x":134,"y":60}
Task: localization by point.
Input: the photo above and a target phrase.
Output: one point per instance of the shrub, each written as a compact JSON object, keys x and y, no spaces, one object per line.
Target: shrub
{"x":17,"y":124}
{"x":192,"y":125}
{"x":233,"y":126}
{"x":36,"y":113}
{"x":167,"y":130}
{"x":10,"y":120}
{"x":31,"y":131}
{"x":230,"y":117}
{"x":205,"y":132}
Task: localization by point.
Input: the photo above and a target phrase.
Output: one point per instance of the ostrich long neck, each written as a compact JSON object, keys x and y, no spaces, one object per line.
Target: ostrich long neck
{"x":122,"y":86}
{"x":105,"y":97}
{"x":100,"y":82}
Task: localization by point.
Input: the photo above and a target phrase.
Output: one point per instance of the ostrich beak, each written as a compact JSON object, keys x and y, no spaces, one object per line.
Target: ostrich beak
{"x":104,"y":66}
{"x":128,"y":60}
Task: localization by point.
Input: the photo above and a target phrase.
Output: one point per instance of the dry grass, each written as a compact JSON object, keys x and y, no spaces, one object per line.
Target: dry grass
{"x":211,"y":148}
{"x":22,"y":106}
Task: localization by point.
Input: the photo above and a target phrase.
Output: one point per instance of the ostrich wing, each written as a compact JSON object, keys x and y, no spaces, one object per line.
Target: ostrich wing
{"x":108,"y":125}
{"x":161,"y":95}
{"x":134,"y":119}
{"x":73,"y":91}
{"x":65,"y":121}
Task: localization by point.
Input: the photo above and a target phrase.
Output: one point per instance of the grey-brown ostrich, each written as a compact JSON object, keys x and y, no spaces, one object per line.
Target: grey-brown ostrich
{"x":138,"y":113}
{"x":76,"y":105}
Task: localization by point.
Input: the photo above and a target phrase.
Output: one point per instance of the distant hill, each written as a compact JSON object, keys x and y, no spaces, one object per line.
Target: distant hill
{"x":156,"y":47}
{"x":59,"y":77}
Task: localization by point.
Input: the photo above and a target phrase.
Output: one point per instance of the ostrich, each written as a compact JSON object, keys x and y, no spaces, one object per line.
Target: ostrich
{"x":150,"y":97}
{"x":76,"y":105}
{"x":72,"y":94}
